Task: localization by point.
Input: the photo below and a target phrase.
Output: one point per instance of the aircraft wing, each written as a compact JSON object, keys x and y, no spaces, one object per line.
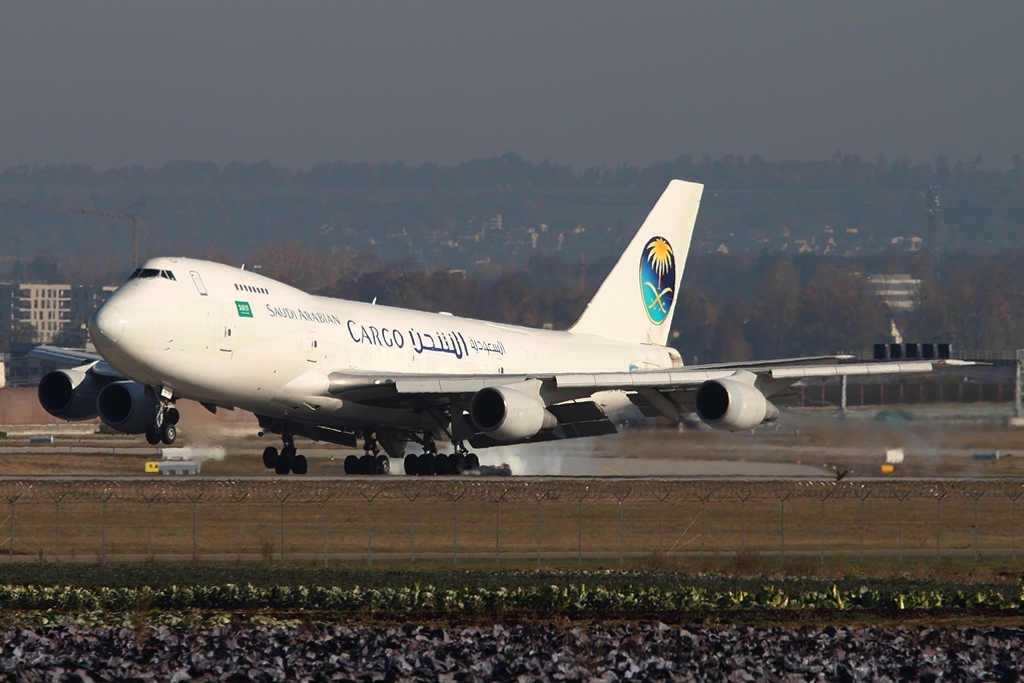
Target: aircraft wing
{"x":359,"y":387}
{"x":574,"y":398}
{"x":74,"y":358}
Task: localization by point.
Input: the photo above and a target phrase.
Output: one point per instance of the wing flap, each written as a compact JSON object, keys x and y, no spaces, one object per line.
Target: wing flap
{"x":673,"y":379}
{"x":850,"y":369}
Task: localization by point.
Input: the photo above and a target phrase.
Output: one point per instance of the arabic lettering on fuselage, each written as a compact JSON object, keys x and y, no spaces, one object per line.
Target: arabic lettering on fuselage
{"x":299,"y":314}
{"x":451,"y":342}
{"x":486,"y":346}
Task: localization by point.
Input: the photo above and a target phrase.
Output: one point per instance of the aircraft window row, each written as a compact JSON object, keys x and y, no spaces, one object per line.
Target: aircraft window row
{"x":149,"y":273}
{"x":250,"y":288}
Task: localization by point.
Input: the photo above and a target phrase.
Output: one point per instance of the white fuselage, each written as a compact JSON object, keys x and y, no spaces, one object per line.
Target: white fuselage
{"x":233,"y":338}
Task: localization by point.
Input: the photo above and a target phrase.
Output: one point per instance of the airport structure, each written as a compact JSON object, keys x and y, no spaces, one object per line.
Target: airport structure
{"x":899,"y":291}
{"x":42,"y":313}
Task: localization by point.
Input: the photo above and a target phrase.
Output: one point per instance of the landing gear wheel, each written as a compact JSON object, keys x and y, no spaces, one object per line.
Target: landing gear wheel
{"x":300,"y":465}
{"x":152,"y":435}
{"x":412,"y":464}
{"x":285,"y":460}
{"x":383,"y":464}
{"x":352,"y":464}
{"x":428,"y":464}
{"x":367,"y":464}
{"x":172,"y":416}
{"x":269,"y":457}
{"x":168,"y":433}
{"x":472,"y":462}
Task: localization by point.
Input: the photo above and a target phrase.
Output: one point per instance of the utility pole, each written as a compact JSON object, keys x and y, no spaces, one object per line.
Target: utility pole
{"x":936,"y":228}
{"x":134,"y":216}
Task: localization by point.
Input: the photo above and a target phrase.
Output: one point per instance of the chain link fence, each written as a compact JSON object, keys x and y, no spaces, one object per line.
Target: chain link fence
{"x":512,"y":520}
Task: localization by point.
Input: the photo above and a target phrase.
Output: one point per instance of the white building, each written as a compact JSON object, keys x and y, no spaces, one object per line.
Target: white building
{"x":898,"y":291}
{"x":46,"y":308}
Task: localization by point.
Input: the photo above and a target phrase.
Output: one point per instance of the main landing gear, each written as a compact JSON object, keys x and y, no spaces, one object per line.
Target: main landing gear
{"x":431,"y":462}
{"x":372,"y":461}
{"x":164,"y":429}
{"x":286,"y":460}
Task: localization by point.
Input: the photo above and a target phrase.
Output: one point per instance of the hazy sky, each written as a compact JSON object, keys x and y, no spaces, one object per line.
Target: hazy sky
{"x":113,"y":83}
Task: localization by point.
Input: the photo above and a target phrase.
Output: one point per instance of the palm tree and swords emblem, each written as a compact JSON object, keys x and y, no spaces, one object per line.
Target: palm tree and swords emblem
{"x":657,"y":278}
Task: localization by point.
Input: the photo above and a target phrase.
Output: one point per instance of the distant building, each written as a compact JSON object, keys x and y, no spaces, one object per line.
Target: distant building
{"x":898,"y":291}
{"x":45,"y":308}
{"x":33,"y":314}
{"x":39,"y":313}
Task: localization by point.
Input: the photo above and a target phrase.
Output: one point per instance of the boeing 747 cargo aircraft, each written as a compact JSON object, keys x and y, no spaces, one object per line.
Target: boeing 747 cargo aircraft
{"x":344,"y":372}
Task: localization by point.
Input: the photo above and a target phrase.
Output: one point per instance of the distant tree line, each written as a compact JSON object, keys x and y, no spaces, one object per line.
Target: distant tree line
{"x":442,"y":214}
{"x":511,"y":171}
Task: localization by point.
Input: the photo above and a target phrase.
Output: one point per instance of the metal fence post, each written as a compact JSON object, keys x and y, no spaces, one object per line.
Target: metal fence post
{"x":497,"y":522}
{"x":195,"y":545}
{"x":12,"y":498}
{"x":862,"y":494}
{"x":622,"y":525}
{"x":412,"y":524}
{"x":149,"y":524}
{"x":703,"y":497}
{"x":103,"y":525}
{"x":369,"y":524}
{"x":782,"y":524}
{"x":744,"y":497}
{"x":976,"y":496}
{"x":238,"y":498}
{"x":823,"y":498}
{"x":579,"y":525}
{"x":1013,"y":521}
{"x":323,"y":519}
{"x":901,"y":498}
{"x":282,"y":498}
{"x":661,"y":522}
{"x":57,"y":498}
{"x":455,"y":498}
{"x":539,"y":497}
{"x":938,"y":524}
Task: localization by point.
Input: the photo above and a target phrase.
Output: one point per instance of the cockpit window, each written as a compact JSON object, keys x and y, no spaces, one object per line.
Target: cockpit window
{"x":150,"y":273}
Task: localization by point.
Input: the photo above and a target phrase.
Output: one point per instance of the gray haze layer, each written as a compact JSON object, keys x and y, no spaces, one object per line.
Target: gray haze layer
{"x":585,"y":83}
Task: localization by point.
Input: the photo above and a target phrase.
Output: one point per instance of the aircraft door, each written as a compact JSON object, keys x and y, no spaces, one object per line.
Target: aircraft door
{"x":225,"y":333}
{"x":312,"y":344}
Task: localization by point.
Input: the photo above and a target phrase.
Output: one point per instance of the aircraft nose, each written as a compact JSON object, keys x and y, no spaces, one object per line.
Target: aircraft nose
{"x":108,"y":323}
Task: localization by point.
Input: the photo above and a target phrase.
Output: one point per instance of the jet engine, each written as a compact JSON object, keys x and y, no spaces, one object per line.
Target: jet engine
{"x":70,"y":394}
{"x":126,"y":407}
{"x":733,"y":406}
{"x":506,"y":414}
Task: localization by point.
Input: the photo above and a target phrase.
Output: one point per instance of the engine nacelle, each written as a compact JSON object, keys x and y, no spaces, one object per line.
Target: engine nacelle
{"x":70,"y":394}
{"x":733,"y":406}
{"x":126,"y":407}
{"x":509,"y":415}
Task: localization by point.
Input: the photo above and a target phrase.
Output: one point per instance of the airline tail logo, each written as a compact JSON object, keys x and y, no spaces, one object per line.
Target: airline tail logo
{"x":657,"y":278}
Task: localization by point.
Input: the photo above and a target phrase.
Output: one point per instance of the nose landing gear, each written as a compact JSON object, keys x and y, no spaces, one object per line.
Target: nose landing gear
{"x":164,"y":429}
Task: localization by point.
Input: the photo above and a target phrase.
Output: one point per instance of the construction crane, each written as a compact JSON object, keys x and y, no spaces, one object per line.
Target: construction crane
{"x":134,"y":216}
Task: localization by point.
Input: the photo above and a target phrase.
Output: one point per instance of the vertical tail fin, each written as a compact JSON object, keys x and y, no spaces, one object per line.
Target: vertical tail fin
{"x":636,"y":301}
